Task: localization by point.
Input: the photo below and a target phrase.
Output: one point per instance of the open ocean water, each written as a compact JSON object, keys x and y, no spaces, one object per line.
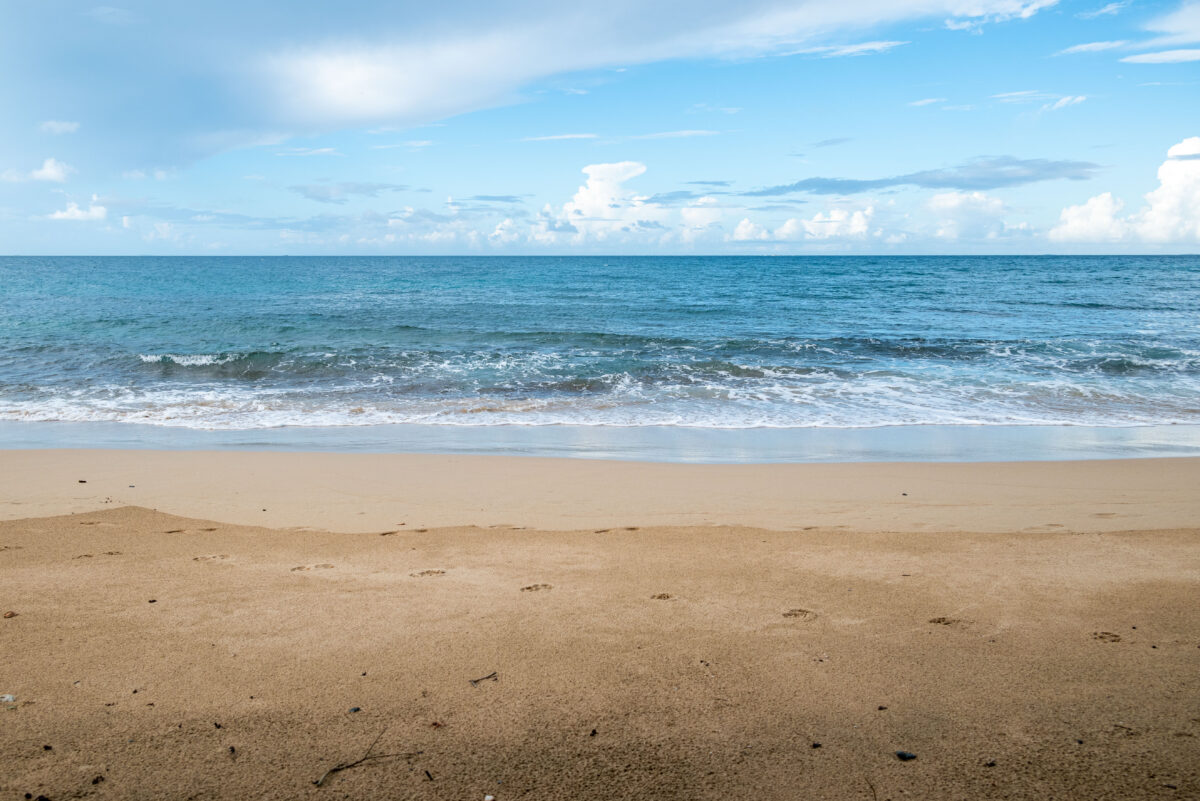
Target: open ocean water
{"x":249,"y":344}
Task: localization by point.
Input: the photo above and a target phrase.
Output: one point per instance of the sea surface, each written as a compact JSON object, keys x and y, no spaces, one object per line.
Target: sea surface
{"x":733,"y":343}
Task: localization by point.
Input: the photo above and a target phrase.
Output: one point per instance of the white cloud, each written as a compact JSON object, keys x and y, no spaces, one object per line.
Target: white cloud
{"x":52,"y":170}
{"x":309,"y":151}
{"x":1091,"y":47}
{"x":834,"y":224}
{"x":675,"y":134}
{"x":700,"y":216}
{"x":58,"y":127}
{"x":73,"y":212}
{"x":558,"y":137}
{"x":859,"y":49}
{"x":1164,"y":57}
{"x":1063,"y":102}
{"x":1171,"y":213}
{"x":426,"y":73}
{"x":967,"y":215}
{"x":747,"y":231}
{"x":928,"y":101}
{"x":604,"y":207}
{"x":1104,"y":11}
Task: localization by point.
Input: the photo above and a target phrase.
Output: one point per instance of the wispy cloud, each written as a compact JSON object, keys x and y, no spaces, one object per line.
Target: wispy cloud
{"x":719,"y":184}
{"x":559,"y":137}
{"x":858,"y":49}
{"x":928,"y":101}
{"x":1164,"y":57}
{"x":840,"y":140}
{"x":674,"y":134}
{"x":342,"y":191}
{"x":1063,"y":102}
{"x":990,"y":172}
{"x":58,"y":127}
{"x":1091,"y":47}
{"x":309,"y":151}
{"x":1104,"y":11}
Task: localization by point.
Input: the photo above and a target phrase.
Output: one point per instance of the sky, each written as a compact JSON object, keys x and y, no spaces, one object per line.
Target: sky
{"x":666,"y":127}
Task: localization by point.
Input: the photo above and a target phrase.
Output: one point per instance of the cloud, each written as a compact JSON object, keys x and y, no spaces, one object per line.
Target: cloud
{"x":841,"y":140}
{"x":52,"y":170}
{"x":496,"y":198}
{"x":721,"y":184}
{"x":1092,"y":47}
{"x":434,"y":70}
{"x":1181,"y":26}
{"x":834,"y":224}
{"x":1164,"y":57}
{"x":604,"y":207}
{"x":967,"y":215}
{"x":73,"y":212}
{"x":1108,"y":10}
{"x":309,"y":151}
{"x":1171,"y":213}
{"x":1063,"y":102}
{"x":558,"y":137}
{"x":928,"y":101}
{"x":674,"y":134}
{"x":860,"y":49}
{"x":341,"y":192}
{"x":112,"y":16}
{"x":747,"y":231}
{"x":58,"y":127}
{"x":700,"y":216}
{"x":987,"y":172}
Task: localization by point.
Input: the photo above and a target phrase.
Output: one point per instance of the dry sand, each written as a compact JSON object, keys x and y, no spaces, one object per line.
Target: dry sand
{"x":995,"y":621}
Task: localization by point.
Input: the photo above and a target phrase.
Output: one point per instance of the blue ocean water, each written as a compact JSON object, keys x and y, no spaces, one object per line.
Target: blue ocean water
{"x":244,"y":343}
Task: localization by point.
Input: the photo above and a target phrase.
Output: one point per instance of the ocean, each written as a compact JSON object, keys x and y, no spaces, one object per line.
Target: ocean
{"x":786,"y":344}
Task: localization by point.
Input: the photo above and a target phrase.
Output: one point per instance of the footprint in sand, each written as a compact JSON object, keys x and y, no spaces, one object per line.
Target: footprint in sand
{"x":537,"y":588}
{"x":1106,"y":636}
{"x":214,"y":556}
{"x":311,"y":567}
{"x":89,"y":556}
{"x":801,"y":614}
{"x":428,"y":573}
{"x":662,"y":596}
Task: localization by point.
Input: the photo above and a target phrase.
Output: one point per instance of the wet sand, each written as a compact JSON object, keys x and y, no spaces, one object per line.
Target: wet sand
{"x":655,"y":631}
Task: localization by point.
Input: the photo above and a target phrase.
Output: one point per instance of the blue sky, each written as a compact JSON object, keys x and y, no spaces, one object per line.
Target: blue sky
{"x":821,"y":126}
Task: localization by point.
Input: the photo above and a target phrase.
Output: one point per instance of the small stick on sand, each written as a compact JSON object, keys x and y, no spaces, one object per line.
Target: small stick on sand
{"x":366,"y":757}
{"x":493,"y":676}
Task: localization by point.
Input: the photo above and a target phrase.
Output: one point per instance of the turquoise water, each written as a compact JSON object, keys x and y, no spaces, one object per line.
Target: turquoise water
{"x":244,"y":344}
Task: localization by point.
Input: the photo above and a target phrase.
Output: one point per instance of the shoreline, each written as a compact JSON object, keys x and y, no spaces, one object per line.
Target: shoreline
{"x":377,"y":492}
{"x":670,"y":444}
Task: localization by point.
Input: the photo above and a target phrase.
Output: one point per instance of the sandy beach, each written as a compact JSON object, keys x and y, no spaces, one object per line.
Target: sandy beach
{"x":236,"y":625}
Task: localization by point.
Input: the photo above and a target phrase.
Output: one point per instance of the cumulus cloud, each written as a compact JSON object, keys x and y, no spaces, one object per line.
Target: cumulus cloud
{"x":52,"y":170}
{"x":837,"y":223}
{"x":74,"y":212}
{"x":1171,"y":213}
{"x":989,"y":172}
{"x":58,"y":127}
{"x":967,"y":215}
{"x":828,"y":225}
{"x":604,"y":207}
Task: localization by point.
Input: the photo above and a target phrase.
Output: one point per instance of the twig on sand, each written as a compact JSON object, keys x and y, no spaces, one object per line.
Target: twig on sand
{"x":366,"y":757}
{"x":868,"y":781}
{"x":493,"y":676}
